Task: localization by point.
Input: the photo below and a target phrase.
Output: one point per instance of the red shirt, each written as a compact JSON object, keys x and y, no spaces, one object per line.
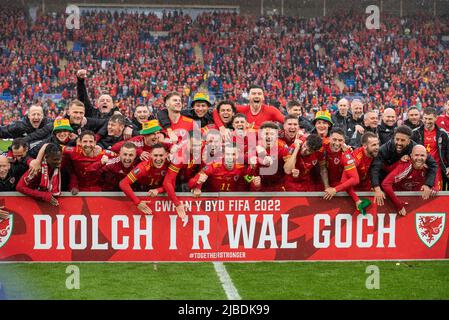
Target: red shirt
{"x":80,"y":177}
{"x":29,"y":185}
{"x":111,"y":173}
{"x":404,"y":178}
{"x":363,"y":164}
{"x":139,"y":142}
{"x":266,"y":113}
{"x":220,"y":179}
{"x":443,"y":122}
{"x":430,"y":142}
{"x":303,"y":183}
{"x":339,"y":163}
{"x":182,"y":127}
{"x":272,"y":176}
{"x":147,"y":176}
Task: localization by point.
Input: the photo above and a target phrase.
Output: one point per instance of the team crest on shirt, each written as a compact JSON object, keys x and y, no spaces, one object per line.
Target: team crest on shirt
{"x":314,"y":162}
{"x":163,"y":172}
{"x":336,"y":160}
{"x":236,"y":178}
{"x":430,"y":227}
{"x":6,"y":227}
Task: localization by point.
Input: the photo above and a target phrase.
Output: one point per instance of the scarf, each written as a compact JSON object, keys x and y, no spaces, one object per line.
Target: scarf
{"x":52,"y":184}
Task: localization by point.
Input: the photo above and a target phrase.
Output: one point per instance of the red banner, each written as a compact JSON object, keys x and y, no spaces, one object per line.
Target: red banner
{"x":228,"y":227}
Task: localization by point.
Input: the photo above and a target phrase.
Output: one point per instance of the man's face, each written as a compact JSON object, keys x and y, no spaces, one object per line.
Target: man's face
{"x":371,"y":120}
{"x":115,"y":129}
{"x":413,"y":116}
{"x":54,"y":160}
{"x":343,"y":107}
{"x":357,"y":109}
{"x":174,"y":104}
{"x":35,"y":115}
{"x":142,"y":114}
{"x":336,"y":142}
{"x":305,"y":150}
{"x":401,"y":141}
{"x":269,"y":136}
{"x":429,"y":121}
{"x":322,"y":127}
{"x":158,"y":156}
{"x":372,"y":147}
{"x":229,"y":157}
{"x":446,"y":107}
{"x":255,"y":96}
{"x":389,"y":117}
{"x":19,"y":153}
{"x":200,"y":108}
{"x":239,"y":123}
{"x":291,"y":127}
{"x":226,"y":113}
{"x":295,"y":111}
{"x":88,"y":144}
{"x":4,"y":167}
{"x":105,"y":103}
{"x":213,"y":142}
{"x":151,"y":139}
{"x":76,"y":114}
{"x":127,"y":156}
{"x":418,"y":156}
{"x":62,"y":135}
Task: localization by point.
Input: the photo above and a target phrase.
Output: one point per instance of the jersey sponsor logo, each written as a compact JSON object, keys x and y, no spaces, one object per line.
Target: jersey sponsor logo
{"x":6,"y":227}
{"x":430,"y":227}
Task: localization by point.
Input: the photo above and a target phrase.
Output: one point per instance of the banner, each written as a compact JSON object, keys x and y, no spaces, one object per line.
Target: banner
{"x":222,"y":227}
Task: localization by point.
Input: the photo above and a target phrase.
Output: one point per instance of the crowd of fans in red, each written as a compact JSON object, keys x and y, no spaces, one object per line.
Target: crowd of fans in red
{"x":403,"y":64}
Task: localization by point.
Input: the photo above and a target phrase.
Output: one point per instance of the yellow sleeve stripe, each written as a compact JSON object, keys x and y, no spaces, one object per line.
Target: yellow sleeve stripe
{"x":132,"y":177}
{"x":352,"y":166}
{"x":173,"y":168}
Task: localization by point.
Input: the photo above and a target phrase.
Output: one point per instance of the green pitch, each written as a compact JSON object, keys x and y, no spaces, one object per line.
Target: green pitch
{"x":290,"y":280}
{"x":4,"y":144}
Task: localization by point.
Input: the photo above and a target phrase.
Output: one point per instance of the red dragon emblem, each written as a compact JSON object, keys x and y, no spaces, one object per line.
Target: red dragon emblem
{"x":430,"y":227}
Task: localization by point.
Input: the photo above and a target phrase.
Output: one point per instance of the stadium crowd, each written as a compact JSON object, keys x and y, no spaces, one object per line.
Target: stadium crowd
{"x":284,"y":124}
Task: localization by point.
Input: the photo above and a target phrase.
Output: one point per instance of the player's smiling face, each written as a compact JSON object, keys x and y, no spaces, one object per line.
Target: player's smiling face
{"x":76,"y":114}
{"x":158,"y":156}
{"x":127,"y":156}
{"x":336,"y":142}
{"x":413,"y":116}
{"x":239,"y":123}
{"x":200,"y":108}
{"x":291,"y":127}
{"x":229,"y":157}
{"x":295,"y":111}
{"x":255,"y":96}
{"x":88,"y":144}
{"x":372,"y":147}
{"x":174,"y":104}
{"x":418,"y":156}
{"x":429,"y":121}
{"x":226,"y":113}
{"x":401,"y":141}
{"x":269,"y":136}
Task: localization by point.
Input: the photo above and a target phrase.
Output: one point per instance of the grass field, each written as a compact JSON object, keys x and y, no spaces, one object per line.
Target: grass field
{"x":4,"y":144}
{"x":266,"y":281}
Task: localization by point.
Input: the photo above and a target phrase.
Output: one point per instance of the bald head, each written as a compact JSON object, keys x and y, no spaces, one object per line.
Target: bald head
{"x":36,"y":115}
{"x":343,"y":106}
{"x":4,"y":167}
{"x":389,"y":117}
{"x":418,"y":156}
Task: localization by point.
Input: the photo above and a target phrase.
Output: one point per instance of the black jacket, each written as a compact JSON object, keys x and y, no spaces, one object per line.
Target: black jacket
{"x":108,"y":141}
{"x":442,"y":143}
{"x":36,"y":137}
{"x":21,"y":128}
{"x":52,"y":139}
{"x":305,"y":124}
{"x":356,"y":140}
{"x":90,"y":110}
{"x":11,"y":180}
{"x":411,"y":125}
{"x":345,"y":123}
{"x":388,"y":155}
{"x":385,"y":132}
